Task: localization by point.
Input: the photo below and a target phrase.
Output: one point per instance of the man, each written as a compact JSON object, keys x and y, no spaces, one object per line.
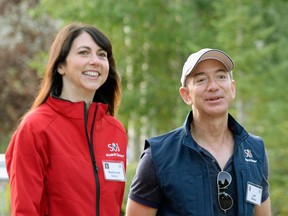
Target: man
{"x":210,"y":165}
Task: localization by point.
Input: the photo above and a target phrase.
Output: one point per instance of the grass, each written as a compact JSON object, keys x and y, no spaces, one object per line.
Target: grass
{"x":4,"y":198}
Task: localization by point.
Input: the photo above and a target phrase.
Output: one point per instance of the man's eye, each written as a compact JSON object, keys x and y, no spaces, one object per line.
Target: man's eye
{"x":222,"y":76}
{"x":200,"y":80}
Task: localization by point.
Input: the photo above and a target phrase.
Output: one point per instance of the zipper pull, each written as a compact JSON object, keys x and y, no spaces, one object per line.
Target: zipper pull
{"x":95,"y":165}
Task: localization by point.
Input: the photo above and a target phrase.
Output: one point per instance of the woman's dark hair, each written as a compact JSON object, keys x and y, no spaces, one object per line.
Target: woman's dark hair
{"x":109,"y":93}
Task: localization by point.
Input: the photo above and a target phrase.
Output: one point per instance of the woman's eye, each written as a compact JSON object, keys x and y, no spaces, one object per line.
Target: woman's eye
{"x":83,"y":52}
{"x":102,"y":54}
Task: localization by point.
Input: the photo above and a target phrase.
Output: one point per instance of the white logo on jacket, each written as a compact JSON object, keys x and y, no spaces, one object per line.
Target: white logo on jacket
{"x":249,"y":156}
{"x":114,"y":148}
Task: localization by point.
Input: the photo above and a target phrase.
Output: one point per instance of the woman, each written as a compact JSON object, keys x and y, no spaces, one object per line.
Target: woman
{"x":68,"y":155}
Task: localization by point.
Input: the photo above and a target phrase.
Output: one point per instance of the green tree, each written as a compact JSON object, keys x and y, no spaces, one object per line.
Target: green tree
{"x":22,"y":39}
{"x":153,"y":38}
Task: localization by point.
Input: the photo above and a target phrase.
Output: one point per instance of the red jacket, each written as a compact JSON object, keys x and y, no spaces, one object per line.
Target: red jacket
{"x":49,"y":161}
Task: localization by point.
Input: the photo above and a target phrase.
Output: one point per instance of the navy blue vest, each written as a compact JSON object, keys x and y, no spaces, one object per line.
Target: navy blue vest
{"x":183,"y":175}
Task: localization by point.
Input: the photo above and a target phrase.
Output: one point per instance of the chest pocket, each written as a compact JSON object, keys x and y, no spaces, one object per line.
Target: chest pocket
{"x":252,"y":171}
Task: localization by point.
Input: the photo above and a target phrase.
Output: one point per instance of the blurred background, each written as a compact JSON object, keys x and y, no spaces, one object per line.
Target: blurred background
{"x":151,"y":41}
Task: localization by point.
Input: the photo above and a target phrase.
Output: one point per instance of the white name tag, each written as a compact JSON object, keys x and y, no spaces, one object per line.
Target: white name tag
{"x":114,"y":171}
{"x":254,"y":193}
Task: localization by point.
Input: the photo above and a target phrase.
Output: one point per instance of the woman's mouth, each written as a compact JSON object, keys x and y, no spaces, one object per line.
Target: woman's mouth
{"x":92,"y":73}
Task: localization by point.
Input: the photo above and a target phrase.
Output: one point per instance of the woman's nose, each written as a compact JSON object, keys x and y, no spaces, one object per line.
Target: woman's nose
{"x":95,"y":59}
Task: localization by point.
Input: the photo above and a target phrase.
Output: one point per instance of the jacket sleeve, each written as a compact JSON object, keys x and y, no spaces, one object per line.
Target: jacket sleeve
{"x":26,"y":161}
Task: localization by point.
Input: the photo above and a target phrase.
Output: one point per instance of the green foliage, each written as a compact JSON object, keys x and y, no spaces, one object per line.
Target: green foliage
{"x":4,"y":139}
{"x":5,"y":198}
{"x":151,"y":41}
{"x":38,"y":62}
{"x":130,"y":172}
{"x":279,"y":181}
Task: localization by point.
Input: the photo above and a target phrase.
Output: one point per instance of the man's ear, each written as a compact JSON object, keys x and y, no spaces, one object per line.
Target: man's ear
{"x":233,"y":86}
{"x":184,"y":92}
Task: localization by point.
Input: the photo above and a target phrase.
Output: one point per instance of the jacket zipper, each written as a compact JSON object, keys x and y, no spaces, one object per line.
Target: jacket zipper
{"x":92,"y":155}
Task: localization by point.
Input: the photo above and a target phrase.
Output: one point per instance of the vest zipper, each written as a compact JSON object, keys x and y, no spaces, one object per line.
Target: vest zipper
{"x":92,"y":155}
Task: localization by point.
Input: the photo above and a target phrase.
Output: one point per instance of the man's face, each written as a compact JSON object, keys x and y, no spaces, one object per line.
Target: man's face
{"x":210,"y":88}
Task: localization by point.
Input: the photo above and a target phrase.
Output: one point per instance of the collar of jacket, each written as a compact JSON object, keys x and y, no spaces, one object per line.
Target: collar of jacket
{"x":238,"y":131}
{"x":75,"y":109}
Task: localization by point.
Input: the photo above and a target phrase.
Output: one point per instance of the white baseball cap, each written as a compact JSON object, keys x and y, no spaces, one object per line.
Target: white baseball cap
{"x":204,"y":54}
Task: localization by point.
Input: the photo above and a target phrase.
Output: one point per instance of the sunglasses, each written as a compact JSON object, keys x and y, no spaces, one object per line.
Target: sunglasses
{"x":223,"y":181}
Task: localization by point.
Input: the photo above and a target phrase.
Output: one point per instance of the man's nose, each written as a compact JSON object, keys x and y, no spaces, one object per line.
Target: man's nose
{"x":212,"y":85}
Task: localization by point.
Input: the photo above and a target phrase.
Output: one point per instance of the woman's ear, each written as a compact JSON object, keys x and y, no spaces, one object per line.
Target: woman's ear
{"x":60,"y":69}
{"x":184,"y":92}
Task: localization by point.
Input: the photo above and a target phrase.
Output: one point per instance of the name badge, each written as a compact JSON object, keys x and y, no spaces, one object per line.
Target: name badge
{"x":254,"y":193}
{"x":114,"y":171}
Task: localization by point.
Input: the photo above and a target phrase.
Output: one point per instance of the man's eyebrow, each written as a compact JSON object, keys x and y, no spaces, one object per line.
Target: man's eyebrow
{"x":197,"y":74}
{"x":222,"y":70}
{"x":201,"y":73}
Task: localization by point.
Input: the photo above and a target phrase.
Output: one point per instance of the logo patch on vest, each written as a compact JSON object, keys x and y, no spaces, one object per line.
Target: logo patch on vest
{"x":249,"y":156}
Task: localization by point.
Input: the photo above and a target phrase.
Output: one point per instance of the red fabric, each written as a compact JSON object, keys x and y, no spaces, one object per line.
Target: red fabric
{"x":49,"y":165}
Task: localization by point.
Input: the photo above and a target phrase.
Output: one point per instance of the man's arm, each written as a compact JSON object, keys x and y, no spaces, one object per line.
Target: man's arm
{"x":135,"y":209}
{"x":264,"y":209}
